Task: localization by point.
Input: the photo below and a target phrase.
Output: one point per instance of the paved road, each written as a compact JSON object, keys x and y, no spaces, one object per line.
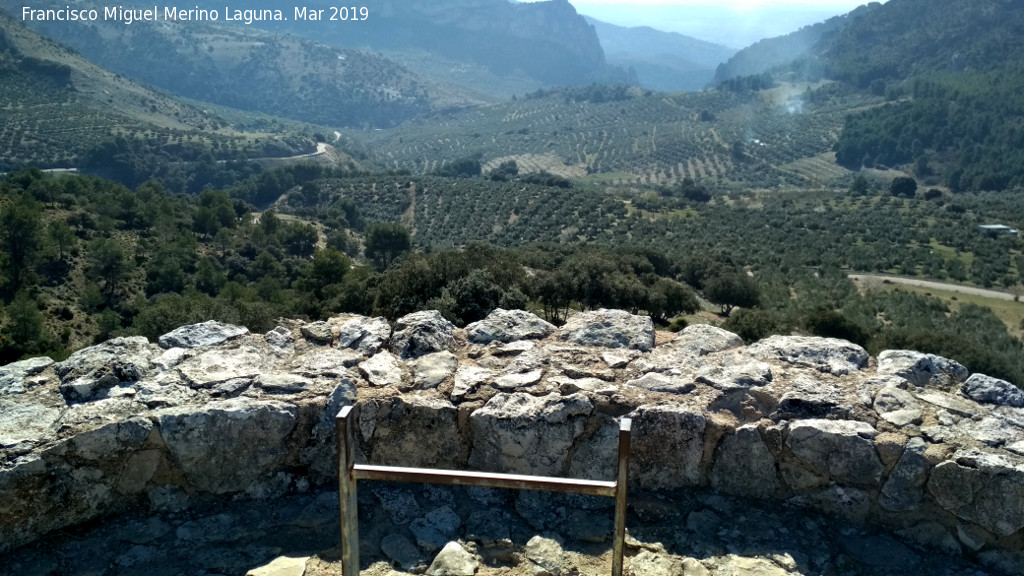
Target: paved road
{"x":861,"y":278}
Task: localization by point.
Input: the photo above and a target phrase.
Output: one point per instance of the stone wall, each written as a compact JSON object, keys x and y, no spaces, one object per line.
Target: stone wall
{"x":908,"y":441}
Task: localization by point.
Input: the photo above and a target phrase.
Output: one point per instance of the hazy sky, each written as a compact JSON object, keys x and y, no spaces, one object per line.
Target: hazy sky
{"x":737,"y":5}
{"x":736,"y":23}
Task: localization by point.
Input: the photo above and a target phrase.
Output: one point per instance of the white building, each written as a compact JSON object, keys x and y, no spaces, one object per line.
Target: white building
{"x":996,"y":230}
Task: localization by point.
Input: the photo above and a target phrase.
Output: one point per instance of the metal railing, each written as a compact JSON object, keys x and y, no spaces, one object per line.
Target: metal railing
{"x":349,"y":472}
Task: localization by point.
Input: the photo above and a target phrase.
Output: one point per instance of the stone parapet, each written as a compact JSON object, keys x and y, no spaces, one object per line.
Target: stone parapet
{"x":914,"y":446}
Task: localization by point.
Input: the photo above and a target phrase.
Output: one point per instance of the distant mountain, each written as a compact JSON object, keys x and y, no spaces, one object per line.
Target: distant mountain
{"x":665,"y":61}
{"x":766,"y":54}
{"x":909,"y":38}
{"x":946,"y":77}
{"x":535,"y":44}
{"x":894,"y":41}
{"x":953,"y":75}
{"x":247,"y":68}
{"x":735,"y":24}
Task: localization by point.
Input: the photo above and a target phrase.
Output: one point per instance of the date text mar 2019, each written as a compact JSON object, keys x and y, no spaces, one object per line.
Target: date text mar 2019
{"x":333,"y":13}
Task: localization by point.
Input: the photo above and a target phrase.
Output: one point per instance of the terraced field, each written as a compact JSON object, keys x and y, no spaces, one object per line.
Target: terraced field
{"x":725,"y":139}
{"x":47,"y":132}
{"x":54,"y":128}
{"x":821,"y":169}
{"x":55,"y":107}
{"x":443,"y":212}
{"x":530,"y":163}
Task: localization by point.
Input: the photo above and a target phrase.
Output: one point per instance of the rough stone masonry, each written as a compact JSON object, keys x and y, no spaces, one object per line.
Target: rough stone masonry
{"x":907,"y":441}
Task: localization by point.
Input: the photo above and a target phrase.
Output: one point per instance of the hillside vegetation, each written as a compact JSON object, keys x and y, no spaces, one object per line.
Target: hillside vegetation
{"x":746,"y":205}
{"x":770,"y":53}
{"x":949,"y":70}
{"x":622,"y":135}
{"x":61,"y":111}
{"x":86,"y":258}
{"x":246,"y":68}
{"x":57,"y":106}
{"x":953,"y":75}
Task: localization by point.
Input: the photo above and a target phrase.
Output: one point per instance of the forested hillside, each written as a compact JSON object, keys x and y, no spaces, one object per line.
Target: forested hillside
{"x":250,"y":69}
{"x":902,"y":39}
{"x":949,"y":70}
{"x":764,"y":55}
{"x":85,"y":258}
{"x":952,"y":71}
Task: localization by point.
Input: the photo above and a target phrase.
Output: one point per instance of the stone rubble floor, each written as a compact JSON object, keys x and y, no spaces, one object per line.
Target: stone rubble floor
{"x":694,"y":533}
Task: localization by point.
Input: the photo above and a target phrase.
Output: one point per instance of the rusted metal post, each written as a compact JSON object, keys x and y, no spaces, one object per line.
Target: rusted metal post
{"x":621,"y":489}
{"x":347,"y":494}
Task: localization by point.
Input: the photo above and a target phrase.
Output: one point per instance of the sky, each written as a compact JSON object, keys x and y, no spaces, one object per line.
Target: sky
{"x":735,"y":23}
{"x":736,"y":5}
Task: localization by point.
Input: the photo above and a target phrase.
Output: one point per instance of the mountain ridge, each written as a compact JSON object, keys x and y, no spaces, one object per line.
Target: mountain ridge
{"x":547,"y":42}
{"x":664,"y":61}
{"x":769,"y":53}
{"x":951,"y":75}
{"x":252,"y":69}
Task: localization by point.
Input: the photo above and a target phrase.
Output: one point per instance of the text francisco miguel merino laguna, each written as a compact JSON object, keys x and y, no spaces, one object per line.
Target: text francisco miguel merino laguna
{"x":169,"y":13}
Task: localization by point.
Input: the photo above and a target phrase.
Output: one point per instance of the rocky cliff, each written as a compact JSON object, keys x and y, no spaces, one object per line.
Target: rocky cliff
{"x":908,"y":441}
{"x":553,"y":21}
{"x":547,"y":41}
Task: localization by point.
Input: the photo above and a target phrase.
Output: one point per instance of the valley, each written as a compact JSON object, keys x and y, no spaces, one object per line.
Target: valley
{"x":851,"y":185}
{"x":724,"y":139}
{"x":750,"y":177}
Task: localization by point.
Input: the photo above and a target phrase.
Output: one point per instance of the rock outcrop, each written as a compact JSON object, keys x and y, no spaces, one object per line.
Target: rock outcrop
{"x":227,"y":447}
{"x":208,"y":333}
{"x":508,"y":326}
{"x":609,"y":329}
{"x":421,"y":333}
{"x":548,"y":41}
{"x":921,"y":369}
{"x":911,"y":443}
{"x":988,"y":390}
{"x":12,"y":376}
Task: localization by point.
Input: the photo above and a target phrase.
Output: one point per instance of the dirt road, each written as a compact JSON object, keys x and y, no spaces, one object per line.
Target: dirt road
{"x":861,"y":279}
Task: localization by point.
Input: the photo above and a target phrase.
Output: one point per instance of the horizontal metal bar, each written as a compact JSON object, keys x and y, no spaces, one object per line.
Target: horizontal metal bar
{"x":487,"y":479}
